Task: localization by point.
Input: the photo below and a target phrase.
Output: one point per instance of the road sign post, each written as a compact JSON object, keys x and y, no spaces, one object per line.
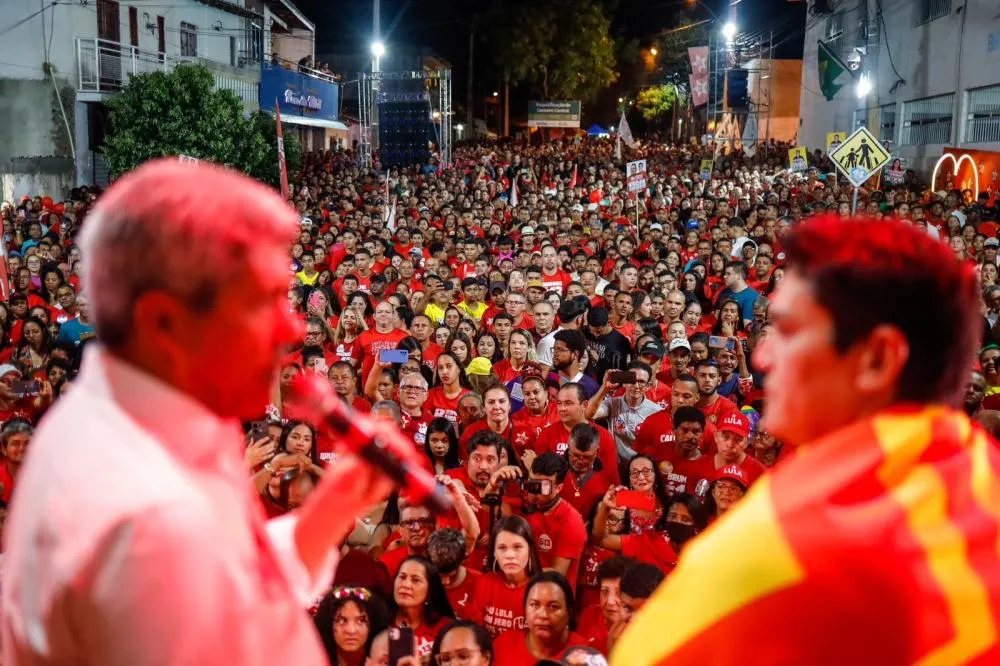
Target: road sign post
{"x":860,"y":156}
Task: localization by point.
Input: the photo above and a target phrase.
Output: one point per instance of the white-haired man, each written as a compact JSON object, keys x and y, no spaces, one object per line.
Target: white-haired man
{"x":134,"y":538}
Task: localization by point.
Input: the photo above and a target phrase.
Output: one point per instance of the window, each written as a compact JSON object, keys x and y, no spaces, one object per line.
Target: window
{"x":834,"y":34}
{"x":887,"y":122}
{"x":860,"y":118}
{"x":927,"y":121}
{"x":983,"y":119}
{"x":189,"y":40}
{"x":928,"y":10}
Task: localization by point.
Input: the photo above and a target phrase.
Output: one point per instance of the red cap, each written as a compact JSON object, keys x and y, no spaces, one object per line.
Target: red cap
{"x":733,"y":473}
{"x":735,"y":422}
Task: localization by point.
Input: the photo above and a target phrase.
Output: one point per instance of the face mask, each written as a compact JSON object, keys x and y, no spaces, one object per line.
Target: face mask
{"x":679,"y":533}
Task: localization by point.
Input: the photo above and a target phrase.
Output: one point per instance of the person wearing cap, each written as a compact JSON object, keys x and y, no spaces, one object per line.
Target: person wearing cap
{"x":534,"y":288}
{"x":679,"y":355}
{"x":890,"y":496}
{"x":732,"y":437}
{"x":731,"y":482}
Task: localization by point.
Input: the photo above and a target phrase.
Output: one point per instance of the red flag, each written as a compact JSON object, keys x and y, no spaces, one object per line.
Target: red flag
{"x":572,"y":181}
{"x":4,"y":280}
{"x":281,"y":153}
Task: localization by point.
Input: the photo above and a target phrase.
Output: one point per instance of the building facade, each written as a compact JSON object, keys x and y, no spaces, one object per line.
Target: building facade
{"x":934,"y":66}
{"x":63,"y":61}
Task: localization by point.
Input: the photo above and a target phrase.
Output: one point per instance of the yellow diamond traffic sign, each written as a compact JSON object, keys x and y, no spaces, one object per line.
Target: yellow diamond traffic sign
{"x":859,"y":156}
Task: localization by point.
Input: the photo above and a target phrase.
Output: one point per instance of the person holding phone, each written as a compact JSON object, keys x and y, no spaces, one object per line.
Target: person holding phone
{"x":549,"y":614}
{"x":625,"y":412}
{"x":183,"y":356}
{"x":419,"y":602}
{"x":588,"y":479}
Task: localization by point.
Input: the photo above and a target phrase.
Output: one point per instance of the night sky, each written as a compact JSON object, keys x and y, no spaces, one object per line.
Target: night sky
{"x":345,"y":27}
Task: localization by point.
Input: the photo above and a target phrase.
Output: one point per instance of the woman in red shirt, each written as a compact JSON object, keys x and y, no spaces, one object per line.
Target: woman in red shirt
{"x":549,"y":612}
{"x":520,"y":348}
{"x":451,"y":385}
{"x":345,"y":336}
{"x":512,"y":560}
{"x":419,"y":601}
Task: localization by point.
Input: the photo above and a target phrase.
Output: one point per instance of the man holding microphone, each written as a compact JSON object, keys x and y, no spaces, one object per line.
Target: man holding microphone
{"x":135,"y":538}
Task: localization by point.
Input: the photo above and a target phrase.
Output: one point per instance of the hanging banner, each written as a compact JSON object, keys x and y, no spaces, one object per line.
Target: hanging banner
{"x":554,"y":114}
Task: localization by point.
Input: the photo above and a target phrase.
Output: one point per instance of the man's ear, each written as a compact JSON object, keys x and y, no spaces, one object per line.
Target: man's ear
{"x":881,"y":359}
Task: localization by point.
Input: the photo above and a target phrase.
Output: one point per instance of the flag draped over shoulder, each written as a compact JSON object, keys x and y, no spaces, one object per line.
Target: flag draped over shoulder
{"x":878,"y":544}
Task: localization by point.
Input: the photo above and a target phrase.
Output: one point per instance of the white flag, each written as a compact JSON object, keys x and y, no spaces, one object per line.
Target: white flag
{"x":513,"y":191}
{"x":750,"y":132}
{"x":390,"y":222}
{"x":625,"y":132}
{"x":618,"y":146}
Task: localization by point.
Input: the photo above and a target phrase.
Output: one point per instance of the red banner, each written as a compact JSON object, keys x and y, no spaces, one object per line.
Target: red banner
{"x":281,"y":153}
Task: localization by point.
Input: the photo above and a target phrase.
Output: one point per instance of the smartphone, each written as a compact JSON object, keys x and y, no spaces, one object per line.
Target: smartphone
{"x":720,"y":342}
{"x":635,"y":499}
{"x":537,"y":486}
{"x":258,"y":431}
{"x":394,"y":356}
{"x":401,"y":644}
{"x":314,"y":299}
{"x":27,"y":388}
{"x":622,"y":376}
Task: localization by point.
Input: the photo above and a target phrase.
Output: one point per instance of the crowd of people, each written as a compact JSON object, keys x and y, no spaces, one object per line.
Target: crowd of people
{"x":575,"y":363}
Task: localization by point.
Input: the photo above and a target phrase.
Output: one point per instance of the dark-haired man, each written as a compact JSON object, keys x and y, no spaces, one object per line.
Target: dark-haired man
{"x":571,"y":406}
{"x":891,"y":497}
{"x":737,"y":289}
{"x":446,"y":550}
{"x":567,"y":357}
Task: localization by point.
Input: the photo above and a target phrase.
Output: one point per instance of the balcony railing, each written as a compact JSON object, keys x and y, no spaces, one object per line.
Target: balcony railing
{"x":104,"y":66}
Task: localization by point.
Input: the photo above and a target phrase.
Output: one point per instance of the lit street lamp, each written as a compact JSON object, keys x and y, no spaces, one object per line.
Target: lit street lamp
{"x":378,"y":48}
{"x":864,"y":86}
{"x":729,"y":31}
{"x":459,"y":128}
{"x":653,"y":50}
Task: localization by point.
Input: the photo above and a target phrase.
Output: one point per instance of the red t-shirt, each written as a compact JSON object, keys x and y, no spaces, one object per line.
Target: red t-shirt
{"x":416,"y":427}
{"x":461,"y":596}
{"x":440,"y":405}
{"x":497,"y":605}
{"x":424,"y":635}
{"x":371,"y":342}
{"x":346,"y":351}
{"x":589,"y":587}
{"x":556,"y":438}
{"x":393,"y":559}
{"x":505,"y":372}
{"x":595,"y":484}
{"x":430,"y":354}
{"x":652,"y":547}
{"x":532,"y":425}
{"x":510,"y":434}
{"x":511,"y":649}
{"x":719,"y":410}
{"x":557,"y":281}
{"x":6,"y":482}
{"x":559,"y":533}
{"x":592,"y":626}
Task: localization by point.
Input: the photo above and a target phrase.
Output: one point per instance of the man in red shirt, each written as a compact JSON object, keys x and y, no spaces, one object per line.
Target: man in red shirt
{"x":588,"y":479}
{"x":345,"y":384}
{"x":416,"y":524}
{"x":414,"y":419}
{"x":558,"y":528}
{"x":516,"y":304}
{"x":378,"y":339}
{"x":713,"y":406}
{"x":446,"y":550}
{"x":732,"y":438}
{"x":655,"y":436}
{"x":553,"y":277}
{"x":571,"y":407}
{"x":422,"y":329}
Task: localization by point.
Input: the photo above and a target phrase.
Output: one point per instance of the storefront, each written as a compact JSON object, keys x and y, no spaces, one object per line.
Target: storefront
{"x":310,"y":107}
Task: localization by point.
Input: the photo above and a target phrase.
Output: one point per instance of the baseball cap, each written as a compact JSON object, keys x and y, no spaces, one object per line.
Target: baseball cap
{"x":735,"y":423}
{"x":7,"y":368}
{"x":479,"y":366}
{"x":497,"y":287}
{"x":679,"y":343}
{"x":734,"y":473}
{"x":534,"y":284}
{"x":656,"y":226}
{"x":526,"y":230}
{"x":652,"y":348}
{"x":991,"y":242}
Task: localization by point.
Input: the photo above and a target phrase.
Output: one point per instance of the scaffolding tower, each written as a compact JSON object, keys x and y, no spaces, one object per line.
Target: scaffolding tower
{"x":384,"y":86}
{"x":754,"y":54}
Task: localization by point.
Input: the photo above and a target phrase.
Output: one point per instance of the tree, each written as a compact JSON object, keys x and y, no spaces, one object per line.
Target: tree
{"x":179,"y":113}
{"x":561,"y":48}
{"x":657,"y":101}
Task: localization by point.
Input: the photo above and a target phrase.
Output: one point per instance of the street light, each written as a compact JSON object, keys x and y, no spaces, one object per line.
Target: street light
{"x":864,"y":86}
{"x":729,"y":31}
{"x":653,"y":50}
{"x":378,"y":48}
{"x":496,"y":94}
{"x":459,"y":128}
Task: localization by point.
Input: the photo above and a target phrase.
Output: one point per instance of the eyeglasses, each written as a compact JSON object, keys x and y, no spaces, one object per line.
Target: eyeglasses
{"x":411,"y":387}
{"x":638,"y":473}
{"x":417,"y":523}
{"x":462,"y":656}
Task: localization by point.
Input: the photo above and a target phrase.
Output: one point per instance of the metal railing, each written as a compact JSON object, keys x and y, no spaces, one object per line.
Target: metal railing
{"x":104,"y":66}
{"x":983,"y":115}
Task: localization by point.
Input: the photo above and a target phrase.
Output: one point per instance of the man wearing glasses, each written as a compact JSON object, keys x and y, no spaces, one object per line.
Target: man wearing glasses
{"x":412,"y":396}
{"x":625,"y":412}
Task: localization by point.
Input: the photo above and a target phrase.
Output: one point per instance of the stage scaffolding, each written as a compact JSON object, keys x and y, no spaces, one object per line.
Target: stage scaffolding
{"x":753,"y":53}
{"x":391,"y":85}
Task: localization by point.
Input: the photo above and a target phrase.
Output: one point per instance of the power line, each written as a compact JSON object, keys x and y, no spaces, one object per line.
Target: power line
{"x":27,"y":18}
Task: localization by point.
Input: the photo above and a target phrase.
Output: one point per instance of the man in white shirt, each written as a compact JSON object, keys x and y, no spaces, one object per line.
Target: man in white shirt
{"x":134,"y":537}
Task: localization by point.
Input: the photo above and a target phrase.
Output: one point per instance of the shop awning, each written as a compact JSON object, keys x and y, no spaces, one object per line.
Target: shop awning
{"x":313,"y":122}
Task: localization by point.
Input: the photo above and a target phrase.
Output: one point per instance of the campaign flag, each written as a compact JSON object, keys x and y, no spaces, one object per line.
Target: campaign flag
{"x":390,"y":222}
{"x":699,"y":60}
{"x":513,"y":191}
{"x":699,"y":89}
{"x":625,"y":132}
{"x":282,"y":168}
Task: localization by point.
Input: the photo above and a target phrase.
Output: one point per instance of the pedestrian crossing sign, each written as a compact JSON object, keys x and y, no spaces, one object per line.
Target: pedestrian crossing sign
{"x":860,"y":156}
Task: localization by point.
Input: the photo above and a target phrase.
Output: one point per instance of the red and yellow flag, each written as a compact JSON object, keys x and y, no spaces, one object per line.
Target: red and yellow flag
{"x":879,"y":544}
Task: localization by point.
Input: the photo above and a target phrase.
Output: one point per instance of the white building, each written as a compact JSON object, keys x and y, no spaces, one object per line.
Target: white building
{"x":87,"y":49}
{"x":935,"y":69}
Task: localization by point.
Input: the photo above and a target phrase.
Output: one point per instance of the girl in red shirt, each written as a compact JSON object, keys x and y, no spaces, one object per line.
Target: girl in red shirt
{"x":518,"y":349}
{"x":451,"y":385}
{"x":499,"y":599}
{"x":419,"y":601}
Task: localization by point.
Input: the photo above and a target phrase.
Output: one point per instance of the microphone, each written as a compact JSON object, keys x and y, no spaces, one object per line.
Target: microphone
{"x":314,"y":400}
